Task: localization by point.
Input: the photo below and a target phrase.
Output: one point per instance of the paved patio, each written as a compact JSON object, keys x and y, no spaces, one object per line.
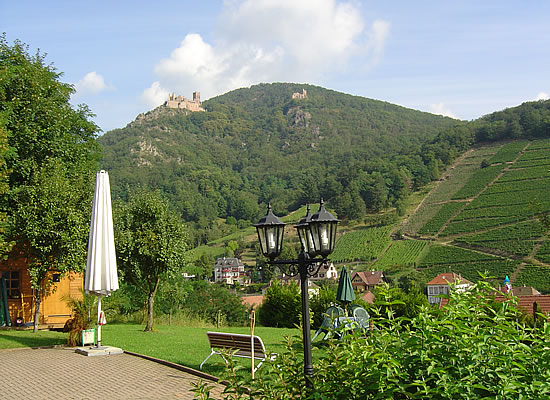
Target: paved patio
{"x":60,"y":373}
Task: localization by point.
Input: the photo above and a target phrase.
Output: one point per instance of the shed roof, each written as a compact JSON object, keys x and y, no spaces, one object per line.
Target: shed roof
{"x":252,"y":301}
{"x":368,"y":297}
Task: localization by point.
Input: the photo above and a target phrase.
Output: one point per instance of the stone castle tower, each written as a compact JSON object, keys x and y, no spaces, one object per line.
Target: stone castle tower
{"x":182,"y":102}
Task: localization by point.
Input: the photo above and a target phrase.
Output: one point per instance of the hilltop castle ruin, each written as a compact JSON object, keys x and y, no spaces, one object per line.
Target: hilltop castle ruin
{"x":299,"y":95}
{"x":183,"y":103}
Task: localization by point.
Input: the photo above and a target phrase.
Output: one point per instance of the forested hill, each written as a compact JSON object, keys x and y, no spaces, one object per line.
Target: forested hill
{"x":258,"y":144}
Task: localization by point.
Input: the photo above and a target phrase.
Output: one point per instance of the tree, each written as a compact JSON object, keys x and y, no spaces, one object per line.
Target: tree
{"x":52,"y":157}
{"x":5,"y":243}
{"x":319,"y":303}
{"x":52,"y":202}
{"x":282,"y":305}
{"x":231,"y":248}
{"x":216,"y":303}
{"x":204,"y":266}
{"x":151,"y":243}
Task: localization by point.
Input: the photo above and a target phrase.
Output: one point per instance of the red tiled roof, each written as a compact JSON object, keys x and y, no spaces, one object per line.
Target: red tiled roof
{"x":252,"y":301}
{"x":525,"y":303}
{"x":447,"y":277}
{"x":369,"y":277}
{"x":368,"y":297}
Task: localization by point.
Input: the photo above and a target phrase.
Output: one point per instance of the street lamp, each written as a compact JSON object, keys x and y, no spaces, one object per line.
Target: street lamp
{"x":317,"y":235}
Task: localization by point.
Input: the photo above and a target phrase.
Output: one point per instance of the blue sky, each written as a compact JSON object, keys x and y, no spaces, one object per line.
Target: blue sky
{"x":463,"y":59}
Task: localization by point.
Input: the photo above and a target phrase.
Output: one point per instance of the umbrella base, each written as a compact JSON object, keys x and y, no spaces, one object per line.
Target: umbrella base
{"x":99,"y":351}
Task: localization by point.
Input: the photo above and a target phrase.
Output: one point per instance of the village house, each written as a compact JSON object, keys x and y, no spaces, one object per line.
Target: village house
{"x":441,"y":284}
{"x":327,"y":272}
{"x":365,"y":281}
{"x":229,"y":270}
{"x":324,"y":273}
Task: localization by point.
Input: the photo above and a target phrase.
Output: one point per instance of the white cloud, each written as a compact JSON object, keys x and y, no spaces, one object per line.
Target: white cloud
{"x":92,"y":83}
{"x":542,"y":96}
{"x":155,"y":95}
{"x":441,"y":109}
{"x":378,"y":35}
{"x":271,"y":40}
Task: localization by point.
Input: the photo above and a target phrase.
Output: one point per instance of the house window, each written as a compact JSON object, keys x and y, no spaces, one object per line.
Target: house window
{"x":12,"y":283}
{"x":433,"y":290}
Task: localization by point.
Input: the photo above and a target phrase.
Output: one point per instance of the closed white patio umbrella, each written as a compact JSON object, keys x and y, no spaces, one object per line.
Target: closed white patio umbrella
{"x":101,"y":270}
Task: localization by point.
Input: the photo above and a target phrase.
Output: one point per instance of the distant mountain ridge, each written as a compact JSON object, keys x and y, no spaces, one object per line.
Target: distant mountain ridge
{"x":259,"y":145}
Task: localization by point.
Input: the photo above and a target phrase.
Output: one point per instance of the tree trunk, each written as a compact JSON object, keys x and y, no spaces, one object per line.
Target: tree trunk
{"x":36,"y":310}
{"x":150,"y":305}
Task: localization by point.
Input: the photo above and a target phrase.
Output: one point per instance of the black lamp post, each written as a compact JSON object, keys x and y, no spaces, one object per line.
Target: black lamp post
{"x":317,"y":235}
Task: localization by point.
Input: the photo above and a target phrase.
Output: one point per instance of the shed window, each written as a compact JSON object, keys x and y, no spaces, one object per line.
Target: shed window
{"x":12,"y":283}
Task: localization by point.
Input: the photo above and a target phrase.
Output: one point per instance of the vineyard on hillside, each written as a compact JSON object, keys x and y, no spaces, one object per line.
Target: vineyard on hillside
{"x":488,"y":222}
{"x":361,"y":245}
{"x":402,"y":252}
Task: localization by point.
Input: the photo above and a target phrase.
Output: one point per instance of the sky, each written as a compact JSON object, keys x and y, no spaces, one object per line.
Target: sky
{"x":463,"y":59}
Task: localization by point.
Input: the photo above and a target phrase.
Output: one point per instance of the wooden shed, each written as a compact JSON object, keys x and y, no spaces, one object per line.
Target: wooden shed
{"x":54,"y":311}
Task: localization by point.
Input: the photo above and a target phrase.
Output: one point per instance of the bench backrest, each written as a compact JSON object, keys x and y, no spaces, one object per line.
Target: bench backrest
{"x":236,"y":341}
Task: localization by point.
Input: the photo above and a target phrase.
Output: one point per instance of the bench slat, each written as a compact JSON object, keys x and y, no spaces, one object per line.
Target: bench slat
{"x":235,"y":341}
{"x":238,"y":343}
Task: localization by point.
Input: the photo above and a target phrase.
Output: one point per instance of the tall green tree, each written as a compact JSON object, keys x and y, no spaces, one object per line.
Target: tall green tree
{"x":151,"y":243}
{"x":5,"y":243}
{"x":282,"y":305}
{"x":52,"y":156}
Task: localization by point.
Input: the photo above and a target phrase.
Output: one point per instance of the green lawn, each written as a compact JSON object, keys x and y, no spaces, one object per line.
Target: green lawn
{"x":182,"y":345}
{"x":12,"y":339}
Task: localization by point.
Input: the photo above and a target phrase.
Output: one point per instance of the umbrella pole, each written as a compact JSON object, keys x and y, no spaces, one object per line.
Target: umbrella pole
{"x":98,"y":321}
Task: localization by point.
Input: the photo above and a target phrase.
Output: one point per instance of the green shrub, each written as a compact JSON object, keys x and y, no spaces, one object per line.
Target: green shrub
{"x":282,"y":305}
{"x":473,"y":349}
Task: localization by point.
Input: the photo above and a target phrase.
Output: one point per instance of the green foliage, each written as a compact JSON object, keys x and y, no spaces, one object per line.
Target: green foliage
{"x":53,"y":218}
{"x":257,"y":145}
{"x":478,"y":181}
{"x":520,"y":174}
{"x":401,"y":252}
{"x":125,"y":303}
{"x":151,"y":243}
{"x":5,"y":243}
{"x":361,"y":245}
{"x":498,"y":268}
{"x":536,"y":276}
{"x":472,"y":350}
{"x":446,"y":212}
{"x":81,"y":317}
{"x":543,"y":252}
{"x":508,"y":152}
{"x":396,"y":302}
{"x":438,"y":254}
{"x":512,"y":239}
{"x":319,"y":302}
{"x":282,"y":305}
{"x":216,"y":303}
{"x":52,"y":155}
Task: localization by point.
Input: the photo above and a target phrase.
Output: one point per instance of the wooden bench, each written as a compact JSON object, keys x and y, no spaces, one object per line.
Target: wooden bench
{"x":240,"y":345}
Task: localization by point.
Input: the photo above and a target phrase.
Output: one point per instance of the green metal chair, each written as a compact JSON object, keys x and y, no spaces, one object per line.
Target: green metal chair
{"x":361,"y":316}
{"x":332,"y":313}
